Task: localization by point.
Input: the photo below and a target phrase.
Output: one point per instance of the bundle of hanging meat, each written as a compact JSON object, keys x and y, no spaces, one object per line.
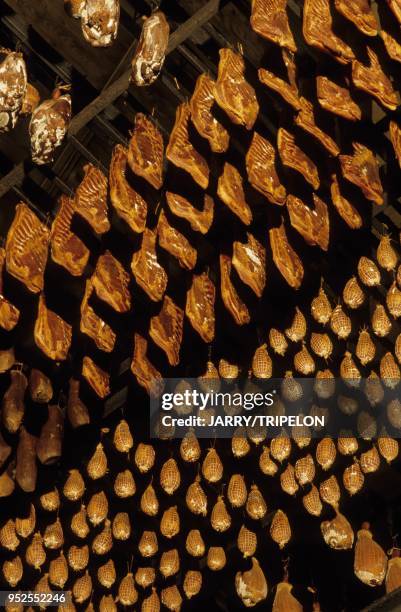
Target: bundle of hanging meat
{"x":13,"y":87}
{"x":151,"y":51}
{"x":49,"y":125}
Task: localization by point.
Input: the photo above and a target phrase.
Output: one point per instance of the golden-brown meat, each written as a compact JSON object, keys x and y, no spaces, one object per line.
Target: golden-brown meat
{"x":93,"y":326}
{"x":317,"y":27}
{"x":199,"y":220}
{"x":7,"y":359}
{"x":261,"y":170}
{"x":372,"y":80}
{"x":144,"y":371}
{"x":287,"y":261}
{"x":201,"y":105}
{"x":111,"y":283}
{"x":166,"y":330}
{"x":233,"y":93}
{"x":40,"y":387}
{"x":127,"y":202}
{"x":12,"y":406}
{"x":395,"y":6}
{"x":293,"y":157}
{"x":31,"y":100}
{"x":66,"y":248}
{"x":26,"y":248}
{"x":199,"y":306}
{"x":48,"y":126}
{"x":393,"y":47}
{"x":360,"y":13}
{"x":362,"y":170}
{"x":9,"y":314}
{"x":182,"y":153}
{"x":99,"y":21}
{"x":344,"y":208}
{"x":249,"y":260}
{"x":231,"y":300}
{"x":312,"y":224}
{"x":146,"y":150}
{"x":306,"y":120}
{"x":13,"y":86}
{"x":336,"y":99}
{"x":97,"y":378}
{"x":269,"y":19}
{"x":146,"y":269}
{"x":395,"y":137}
{"x":151,"y":50}
{"x":231,"y":192}
{"x":175,"y":243}
{"x":91,"y":199}
{"x":288,"y":92}
{"x":77,"y":413}
{"x":51,"y":333}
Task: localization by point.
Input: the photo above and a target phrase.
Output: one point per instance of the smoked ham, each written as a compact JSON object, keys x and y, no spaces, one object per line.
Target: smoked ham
{"x":317,"y":27}
{"x":91,"y":199}
{"x":231,"y":192}
{"x":66,"y":248}
{"x":111,"y":283}
{"x":293,"y":157}
{"x":372,"y":80}
{"x":166,"y":330}
{"x":287,"y":261}
{"x":362,"y":170}
{"x":393,"y":47}
{"x":344,"y":208}
{"x":13,"y":407}
{"x":288,"y":92}
{"x":147,"y":271}
{"x":97,"y":378}
{"x":231,"y":300}
{"x":93,"y":326}
{"x":146,"y":374}
{"x":336,"y":99}
{"x":51,"y":333}
{"x":312,"y":224}
{"x":201,"y":104}
{"x":233,"y":93}
{"x":146,"y":150}
{"x":360,"y":13}
{"x":9,"y":314}
{"x":182,"y":153}
{"x":199,"y":220}
{"x":48,"y":126}
{"x":151,"y":50}
{"x":26,"y":248}
{"x":306,"y":120}
{"x":40,"y":387}
{"x":249,"y":260}
{"x":395,"y":137}
{"x":127,"y":202}
{"x":99,"y":21}
{"x":199,"y":306}
{"x":77,"y":412}
{"x":269,"y":19}
{"x":175,"y":243}
{"x":13,"y":86}
{"x":261,"y":170}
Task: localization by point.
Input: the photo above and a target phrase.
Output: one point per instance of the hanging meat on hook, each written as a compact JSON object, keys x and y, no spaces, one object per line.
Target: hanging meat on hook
{"x":144,"y":371}
{"x":199,"y":220}
{"x":200,"y":306}
{"x":269,"y":19}
{"x":362,"y":170}
{"x":249,"y":260}
{"x":66,"y":248}
{"x":51,"y":333}
{"x":371,"y":79}
{"x":151,"y":51}
{"x":287,"y":261}
{"x":312,"y":224}
{"x":99,"y":19}
{"x":96,"y":378}
{"x":206,"y":124}
{"x":111,"y":283}
{"x":13,"y":87}
{"x":293,"y":157}
{"x":175,"y":243}
{"x":261,"y":169}
{"x":231,"y":192}
{"x":146,"y":151}
{"x":360,"y":13}
{"x":127,"y":202}
{"x":147,"y":271}
{"x":336,"y":99}
{"x":231,"y":300}
{"x":318,"y":32}
{"x":166,"y":330}
{"x":91,"y":199}
{"x":49,"y":125}
{"x":93,"y":326}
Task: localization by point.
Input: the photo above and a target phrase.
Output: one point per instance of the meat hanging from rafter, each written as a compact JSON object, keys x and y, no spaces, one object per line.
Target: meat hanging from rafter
{"x":127,"y":202}
{"x":49,"y":125}
{"x":395,"y":6}
{"x":51,"y":333}
{"x":151,"y":51}
{"x":261,"y":169}
{"x":13,"y":87}
{"x":96,"y":378}
{"x":287,"y":91}
{"x":166,"y":330}
{"x":393,"y":47}
{"x":93,"y":326}
{"x":144,"y":371}
{"x":362,"y":170}
{"x":66,"y":248}
{"x":318,"y":32}
{"x":345,"y":209}
{"x":230,"y":297}
{"x":148,"y":273}
{"x":111,"y":283}
{"x":231,"y":192}
{"x":175,"y":243}
{"x":91,"y":199}
{"x":199,"y":306}
{"x":99,"y":21}
{"x":371,"y":79}
{"x":312,"y":224}
{"x":201,"y":103}
{"x":285,"y":258}
{"x":249,"y":260}
{"x":9,"y":314}
{"x":336,"y":99}
{"x":360,"y":13}
{"x":146,"y":150}
{"x":269,"y":19}
{"x":293,"y":157}
{"x":27,"y":247}
{"x":199,"y":220}
{"x":306,"y":120}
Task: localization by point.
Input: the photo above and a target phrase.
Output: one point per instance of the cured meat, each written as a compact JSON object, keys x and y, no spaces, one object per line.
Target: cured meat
{"x":91,"y":199}
{"x":360,"y":13}
{"x":67,"y":249}
{"x":201,"y":105}
{"x":26,"y":248}
{"x":31,"y":100}
{"x":293,"y":157}
{"x":393,"y":47}
{"x":336,"y":99}
{"x":111,"y":283}
{"x":312,"y":224}
{"x":317,"y":30}
{"x":231,"y":192}
{"x":288,"y":92}
{"x":166,"y":330}
{"x":199,"y":307}
{"x":51,"y":333}
{"x":26,"y":470}
{"x":151,"y":51}
{"x":231,"y":300}
{"x":77,"y":412}
{"x":395,"y":137}
{"x":99,"y":21}
{"x":249,"y":260}
{"x":344,"y":208}
{"x":287,"y":261}
{"x":175,"y":243}
{"x":261,"y":170}
{"x":93,"y":326}
{"x":9,"y":314}
{"x":127,"y":202}
{"x":269,"y":19}
{"x":362,"y":170}
{"x":40,"y":387}
{"x":180,"y":151}
{"x":13,"y":85}
{"x":372,"y":80}
{"x":146,"y":150}
{"x":306,"y":120}
{"x":146,"y":269}
{"x":50,"y":443}
{"x":395,"y":6}
{"x":13,"y":407}
{"x":49,"y":125}
{"x":145,"y":373}
{"x":7,"y":359}
{"x":97,"y":378}
{"x":233,"y":93}
{"x":199,"y":220}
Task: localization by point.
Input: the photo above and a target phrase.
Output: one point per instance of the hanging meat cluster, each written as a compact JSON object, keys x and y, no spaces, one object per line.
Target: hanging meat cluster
{"x":99,"y":19}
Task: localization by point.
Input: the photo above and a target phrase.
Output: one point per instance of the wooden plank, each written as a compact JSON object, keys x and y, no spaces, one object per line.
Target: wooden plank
{"x":196,"y":21}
